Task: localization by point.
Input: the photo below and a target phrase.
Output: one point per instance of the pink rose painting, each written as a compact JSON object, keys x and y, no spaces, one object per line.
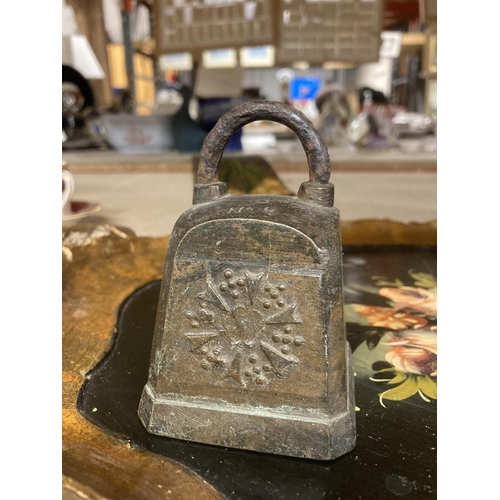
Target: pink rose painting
{"x":413,"y":352}
{"x":408,"y":336}
{"x":419,"y":299}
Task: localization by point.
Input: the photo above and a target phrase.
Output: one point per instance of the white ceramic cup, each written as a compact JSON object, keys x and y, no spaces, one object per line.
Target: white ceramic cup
{"x":68,"y":188}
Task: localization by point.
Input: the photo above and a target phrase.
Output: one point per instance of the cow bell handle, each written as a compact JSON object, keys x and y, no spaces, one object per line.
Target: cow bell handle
{"x":318,"y":190}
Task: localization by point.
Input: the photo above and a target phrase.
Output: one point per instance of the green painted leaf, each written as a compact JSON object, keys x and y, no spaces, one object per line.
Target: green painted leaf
{"x":399,"y":377}
{"x":424,"y":280}
{"x":382,"y":282}
{"x":407,"y":389}
{"x":428,"y":385}
{"x":388,"y":369}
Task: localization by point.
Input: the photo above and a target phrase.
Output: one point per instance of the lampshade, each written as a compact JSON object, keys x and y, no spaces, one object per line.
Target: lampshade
{"x":76,"y":52}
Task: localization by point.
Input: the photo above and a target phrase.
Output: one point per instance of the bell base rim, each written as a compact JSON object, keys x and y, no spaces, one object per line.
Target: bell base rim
{"x":318,"y":437}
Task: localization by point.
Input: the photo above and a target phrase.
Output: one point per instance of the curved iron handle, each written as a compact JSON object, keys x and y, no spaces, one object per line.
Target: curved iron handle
{"x":318,"y":190}
{"x":215,"y":142}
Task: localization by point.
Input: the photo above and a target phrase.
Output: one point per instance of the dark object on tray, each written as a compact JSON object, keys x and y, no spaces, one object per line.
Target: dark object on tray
{"x":250,"y":349}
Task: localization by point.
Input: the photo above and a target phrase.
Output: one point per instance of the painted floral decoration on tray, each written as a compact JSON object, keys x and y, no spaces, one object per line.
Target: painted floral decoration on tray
{"x":404,"y":334}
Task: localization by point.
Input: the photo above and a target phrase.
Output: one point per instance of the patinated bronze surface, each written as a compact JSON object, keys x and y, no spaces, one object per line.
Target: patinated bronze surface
{"x":249,"y":348}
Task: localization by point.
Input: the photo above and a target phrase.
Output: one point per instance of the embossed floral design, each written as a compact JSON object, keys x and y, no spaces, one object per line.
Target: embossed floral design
{"x":246,"y":328}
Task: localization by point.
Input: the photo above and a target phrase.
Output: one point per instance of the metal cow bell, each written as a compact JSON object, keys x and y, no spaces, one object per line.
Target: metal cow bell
{"x":249,"y":348}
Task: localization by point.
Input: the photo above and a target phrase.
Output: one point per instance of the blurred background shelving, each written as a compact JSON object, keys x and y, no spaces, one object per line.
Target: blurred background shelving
{"x":157,"y":74}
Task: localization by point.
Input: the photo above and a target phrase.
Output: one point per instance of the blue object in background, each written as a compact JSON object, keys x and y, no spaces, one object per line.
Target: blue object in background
{"x":304,"y":88}
{"x":210,"y":112}
{"x":235,"y":143}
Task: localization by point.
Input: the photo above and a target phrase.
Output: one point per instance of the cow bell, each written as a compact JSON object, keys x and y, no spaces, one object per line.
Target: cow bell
{"x":249,"y":349}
